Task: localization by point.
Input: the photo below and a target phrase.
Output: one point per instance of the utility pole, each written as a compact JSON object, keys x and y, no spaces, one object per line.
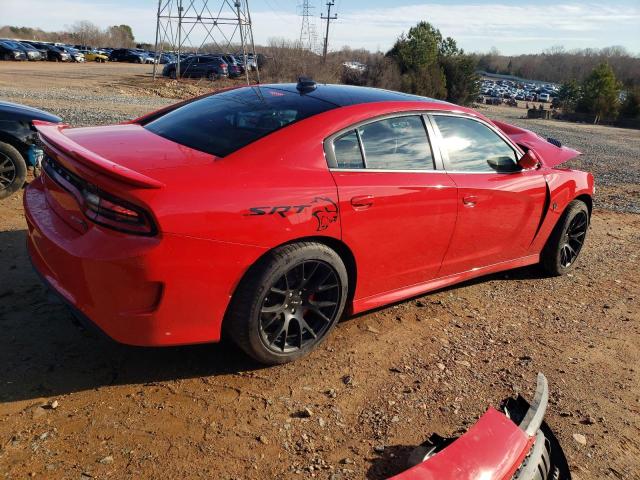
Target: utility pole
{"x":328,"y":18}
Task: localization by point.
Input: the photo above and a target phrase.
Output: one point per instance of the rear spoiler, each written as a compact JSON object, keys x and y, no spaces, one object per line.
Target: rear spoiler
{"x":550,"y":151}
{"x":52,"y":135}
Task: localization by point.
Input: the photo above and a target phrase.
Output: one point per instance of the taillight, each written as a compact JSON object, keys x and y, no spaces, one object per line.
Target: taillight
{"x":115,"y":213}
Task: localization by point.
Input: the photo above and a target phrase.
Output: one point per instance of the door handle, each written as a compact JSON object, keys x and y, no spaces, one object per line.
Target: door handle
{"x":469,"y":200}
{"x":362,"y":202}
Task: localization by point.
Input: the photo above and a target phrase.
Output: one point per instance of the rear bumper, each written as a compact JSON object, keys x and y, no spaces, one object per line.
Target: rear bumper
{"x":147,"y":291}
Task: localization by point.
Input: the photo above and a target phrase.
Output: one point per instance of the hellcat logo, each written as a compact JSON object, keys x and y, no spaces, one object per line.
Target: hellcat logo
{"x":324,"y":210}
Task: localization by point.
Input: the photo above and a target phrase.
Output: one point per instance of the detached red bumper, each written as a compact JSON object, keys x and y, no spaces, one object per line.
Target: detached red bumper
{"x":495,"y":448}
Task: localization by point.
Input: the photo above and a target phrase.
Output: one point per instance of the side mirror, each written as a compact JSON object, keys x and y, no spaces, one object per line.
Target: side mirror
{"x":503,"y":164}
{"x":529,"y":160}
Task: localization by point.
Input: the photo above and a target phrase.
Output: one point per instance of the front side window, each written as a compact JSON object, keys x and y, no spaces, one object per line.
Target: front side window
{"x":473,"y":147}
{"x":399,"y":143}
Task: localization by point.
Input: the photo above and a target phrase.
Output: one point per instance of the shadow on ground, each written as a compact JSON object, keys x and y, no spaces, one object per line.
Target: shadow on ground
{"x":44,"y":354}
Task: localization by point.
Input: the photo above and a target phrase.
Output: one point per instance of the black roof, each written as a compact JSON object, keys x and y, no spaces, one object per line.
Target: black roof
{"x":344,"y":95}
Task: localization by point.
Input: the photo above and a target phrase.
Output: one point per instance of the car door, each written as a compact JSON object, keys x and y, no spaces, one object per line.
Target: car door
{"x":397,"y":211}
{"x":500,"y":206}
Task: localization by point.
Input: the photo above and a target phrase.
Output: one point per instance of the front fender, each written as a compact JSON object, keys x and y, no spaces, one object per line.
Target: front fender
{"x":564,"y":186}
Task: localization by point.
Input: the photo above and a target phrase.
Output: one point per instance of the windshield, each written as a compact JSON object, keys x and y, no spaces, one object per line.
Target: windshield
{"x":222,"y":123}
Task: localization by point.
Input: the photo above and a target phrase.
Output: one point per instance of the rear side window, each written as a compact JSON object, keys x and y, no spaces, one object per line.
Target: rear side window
{"x":472,"y":146}
{"x":347,"y":151}
{"x":398,"y":143}
{"x":222,"y":123}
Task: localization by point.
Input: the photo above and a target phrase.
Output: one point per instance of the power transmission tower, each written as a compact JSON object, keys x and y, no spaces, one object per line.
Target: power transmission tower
{"x":328,"y":18}
{"x":200,"y":25}
{"x":308,"y":33}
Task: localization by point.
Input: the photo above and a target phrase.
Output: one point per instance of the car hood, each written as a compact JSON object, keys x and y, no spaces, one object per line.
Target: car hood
{"x":16,"y":112}
{"x":129,"y":145}
{"x":550,"y":154}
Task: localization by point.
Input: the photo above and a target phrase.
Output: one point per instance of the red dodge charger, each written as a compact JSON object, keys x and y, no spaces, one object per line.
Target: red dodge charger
{"x":268,"y":211}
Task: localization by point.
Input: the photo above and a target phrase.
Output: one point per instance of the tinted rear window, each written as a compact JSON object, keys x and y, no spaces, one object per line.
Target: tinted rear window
{"x":223,"y":123}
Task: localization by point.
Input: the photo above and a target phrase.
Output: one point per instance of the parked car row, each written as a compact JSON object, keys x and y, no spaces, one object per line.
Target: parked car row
{"x":34,"y":51}
{"x":11,"y":49}
{"x":526,"y":91}
{"x":211,"y":66}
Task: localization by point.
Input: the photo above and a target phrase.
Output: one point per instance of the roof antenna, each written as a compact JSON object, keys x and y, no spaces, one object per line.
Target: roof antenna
{"x":305,"y":85}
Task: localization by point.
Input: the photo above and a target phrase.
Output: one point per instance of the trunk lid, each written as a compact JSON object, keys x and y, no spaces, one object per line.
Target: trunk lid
{"x":118,"y":166}
{"x":123,"y":147}
{"x":551,"y":155}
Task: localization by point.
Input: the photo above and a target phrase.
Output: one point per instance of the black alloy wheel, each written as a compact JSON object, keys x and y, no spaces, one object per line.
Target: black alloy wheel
{"x":300,"y":306}
{"x":13,"y":170}
{"x":565,"y":243}
{"x":7,"y":171}
{"x":574,"y":239}
{"x":288,"y":302}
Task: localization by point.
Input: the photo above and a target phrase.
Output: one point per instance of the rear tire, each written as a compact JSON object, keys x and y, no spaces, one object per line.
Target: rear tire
{"x":288,"y":302}
{"x":13,"y":170}
{"x":563,"y":247}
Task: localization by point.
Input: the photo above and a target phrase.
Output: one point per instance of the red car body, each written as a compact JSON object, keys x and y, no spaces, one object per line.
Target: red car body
{"x":204,"y":220}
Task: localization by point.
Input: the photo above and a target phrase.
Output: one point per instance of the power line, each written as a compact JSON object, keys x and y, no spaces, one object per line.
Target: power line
{"x":307,"y":30}
{"x":328,"y":18}
{"x":200,"y":24}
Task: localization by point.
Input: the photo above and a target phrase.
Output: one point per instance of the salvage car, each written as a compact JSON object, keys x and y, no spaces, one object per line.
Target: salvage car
{"x":18,"y":144}
{"x":269,"y":211}
{"x":127,"y":55}
{"x":495,"y":448}
{"x":10,"y":50}
{"x":54,"y":54}
{"x":93,"y":56}
{"x":211,"y":67}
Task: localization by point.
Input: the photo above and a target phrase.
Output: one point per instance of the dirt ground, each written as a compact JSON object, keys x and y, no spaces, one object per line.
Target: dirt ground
{"x":75,"y":406}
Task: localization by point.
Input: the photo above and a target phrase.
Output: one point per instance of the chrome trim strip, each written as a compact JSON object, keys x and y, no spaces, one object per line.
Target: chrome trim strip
{"x":382,"y":170}
{"x":538,"y":407}
{"x":537,"y":465}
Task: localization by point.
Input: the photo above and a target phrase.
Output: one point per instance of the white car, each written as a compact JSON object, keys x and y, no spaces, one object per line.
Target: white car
{"x":544,"y":97}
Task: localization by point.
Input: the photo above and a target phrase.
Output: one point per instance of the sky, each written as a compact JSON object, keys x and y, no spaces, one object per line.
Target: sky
{"x":513,"y":27}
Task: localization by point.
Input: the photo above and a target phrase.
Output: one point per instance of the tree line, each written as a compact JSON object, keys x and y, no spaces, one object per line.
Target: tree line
{"x":600,"y":95}
{"x":558,"y":65}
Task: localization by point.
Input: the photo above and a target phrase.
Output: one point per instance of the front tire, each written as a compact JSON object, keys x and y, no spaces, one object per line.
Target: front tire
{"x":13,"y":170}
{"x":288,"y":302}
{"x":563,"y":247}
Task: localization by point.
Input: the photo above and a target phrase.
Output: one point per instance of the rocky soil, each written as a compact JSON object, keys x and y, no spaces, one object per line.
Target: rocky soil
{"x":75,"y":406}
